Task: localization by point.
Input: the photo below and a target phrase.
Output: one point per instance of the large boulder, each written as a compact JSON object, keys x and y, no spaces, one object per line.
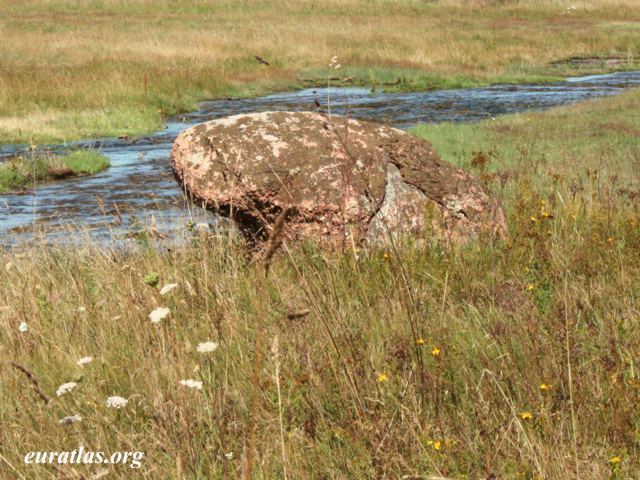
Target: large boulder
{"x":339,"y":179}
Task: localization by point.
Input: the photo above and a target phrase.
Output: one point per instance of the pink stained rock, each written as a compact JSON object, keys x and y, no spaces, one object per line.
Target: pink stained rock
{"x":344,"y":180}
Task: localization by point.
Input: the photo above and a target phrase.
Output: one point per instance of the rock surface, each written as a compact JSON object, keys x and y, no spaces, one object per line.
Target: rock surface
{"x":342,"y":179}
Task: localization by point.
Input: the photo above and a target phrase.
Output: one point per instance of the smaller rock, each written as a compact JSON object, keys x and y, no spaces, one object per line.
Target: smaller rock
{"x":58,"y":173}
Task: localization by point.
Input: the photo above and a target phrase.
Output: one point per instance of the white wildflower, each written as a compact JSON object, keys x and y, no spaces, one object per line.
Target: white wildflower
{"x":81,"y":309}
{"x":192,"y":383}
{"x":100,"y":474}
{"x":65,"y":388}
{"x":207,"y":347}
{"x":159,"y":314}
{"x":116,"y":402}
{"x":84,"y":361}
{"x":23,"y":327}
{"x":167,"y":288}
{"x":229,"y":455}
{"x":70,"y":419}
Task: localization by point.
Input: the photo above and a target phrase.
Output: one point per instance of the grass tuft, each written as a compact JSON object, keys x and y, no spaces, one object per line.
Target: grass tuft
{"x":25,"y":172}
{"x":86,"y":162}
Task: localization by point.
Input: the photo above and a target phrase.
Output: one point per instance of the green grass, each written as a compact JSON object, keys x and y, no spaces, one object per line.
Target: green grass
{"x":417,"y":359}
{"x":86,"y":162}
{"x":24,"y":172}
{"x":380,"y":78}
{"x":62,"y":80}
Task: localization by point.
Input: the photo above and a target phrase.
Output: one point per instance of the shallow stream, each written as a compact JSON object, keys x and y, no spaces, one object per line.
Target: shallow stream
{"x":139,"y":189}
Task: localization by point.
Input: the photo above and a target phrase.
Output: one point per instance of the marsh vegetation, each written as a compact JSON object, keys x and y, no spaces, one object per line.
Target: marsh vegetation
{"x":27,"y":171}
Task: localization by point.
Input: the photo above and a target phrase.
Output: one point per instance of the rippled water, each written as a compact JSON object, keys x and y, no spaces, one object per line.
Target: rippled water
{"x":139,"y":188}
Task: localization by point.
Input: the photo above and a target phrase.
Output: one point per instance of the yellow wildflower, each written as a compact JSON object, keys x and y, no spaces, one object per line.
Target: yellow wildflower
{"x":526,"y":416}
{"x":544,"y":387}
{"x":420,"y":341}
{"x":531,"y":287}
{"x":382,"y":377}
{"x":435,"y":351}
{"x":615,"y":460}
{"x":435,"y":444}
{"x":533,"y":218}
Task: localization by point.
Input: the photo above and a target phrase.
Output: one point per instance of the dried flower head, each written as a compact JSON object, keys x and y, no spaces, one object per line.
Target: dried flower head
{"x":70,"y":419}
{"x":152,"y":279}
{"x":167,"y":288}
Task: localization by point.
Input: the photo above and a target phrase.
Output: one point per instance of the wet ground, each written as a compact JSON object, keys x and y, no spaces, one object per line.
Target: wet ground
{"x":139,"y":191}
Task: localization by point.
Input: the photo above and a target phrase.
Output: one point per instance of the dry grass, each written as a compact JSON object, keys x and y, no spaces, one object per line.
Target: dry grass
{"x":131,"y":63}
{"x":502,"y":360}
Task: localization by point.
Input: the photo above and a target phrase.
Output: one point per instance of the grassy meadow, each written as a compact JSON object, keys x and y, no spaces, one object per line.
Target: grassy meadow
{"x":515,"y":359}
{"x":112,"y":67}
{"x":509,"y":359}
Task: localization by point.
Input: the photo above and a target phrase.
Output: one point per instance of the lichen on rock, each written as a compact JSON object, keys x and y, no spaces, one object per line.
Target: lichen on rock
{"x":341,"y":179}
